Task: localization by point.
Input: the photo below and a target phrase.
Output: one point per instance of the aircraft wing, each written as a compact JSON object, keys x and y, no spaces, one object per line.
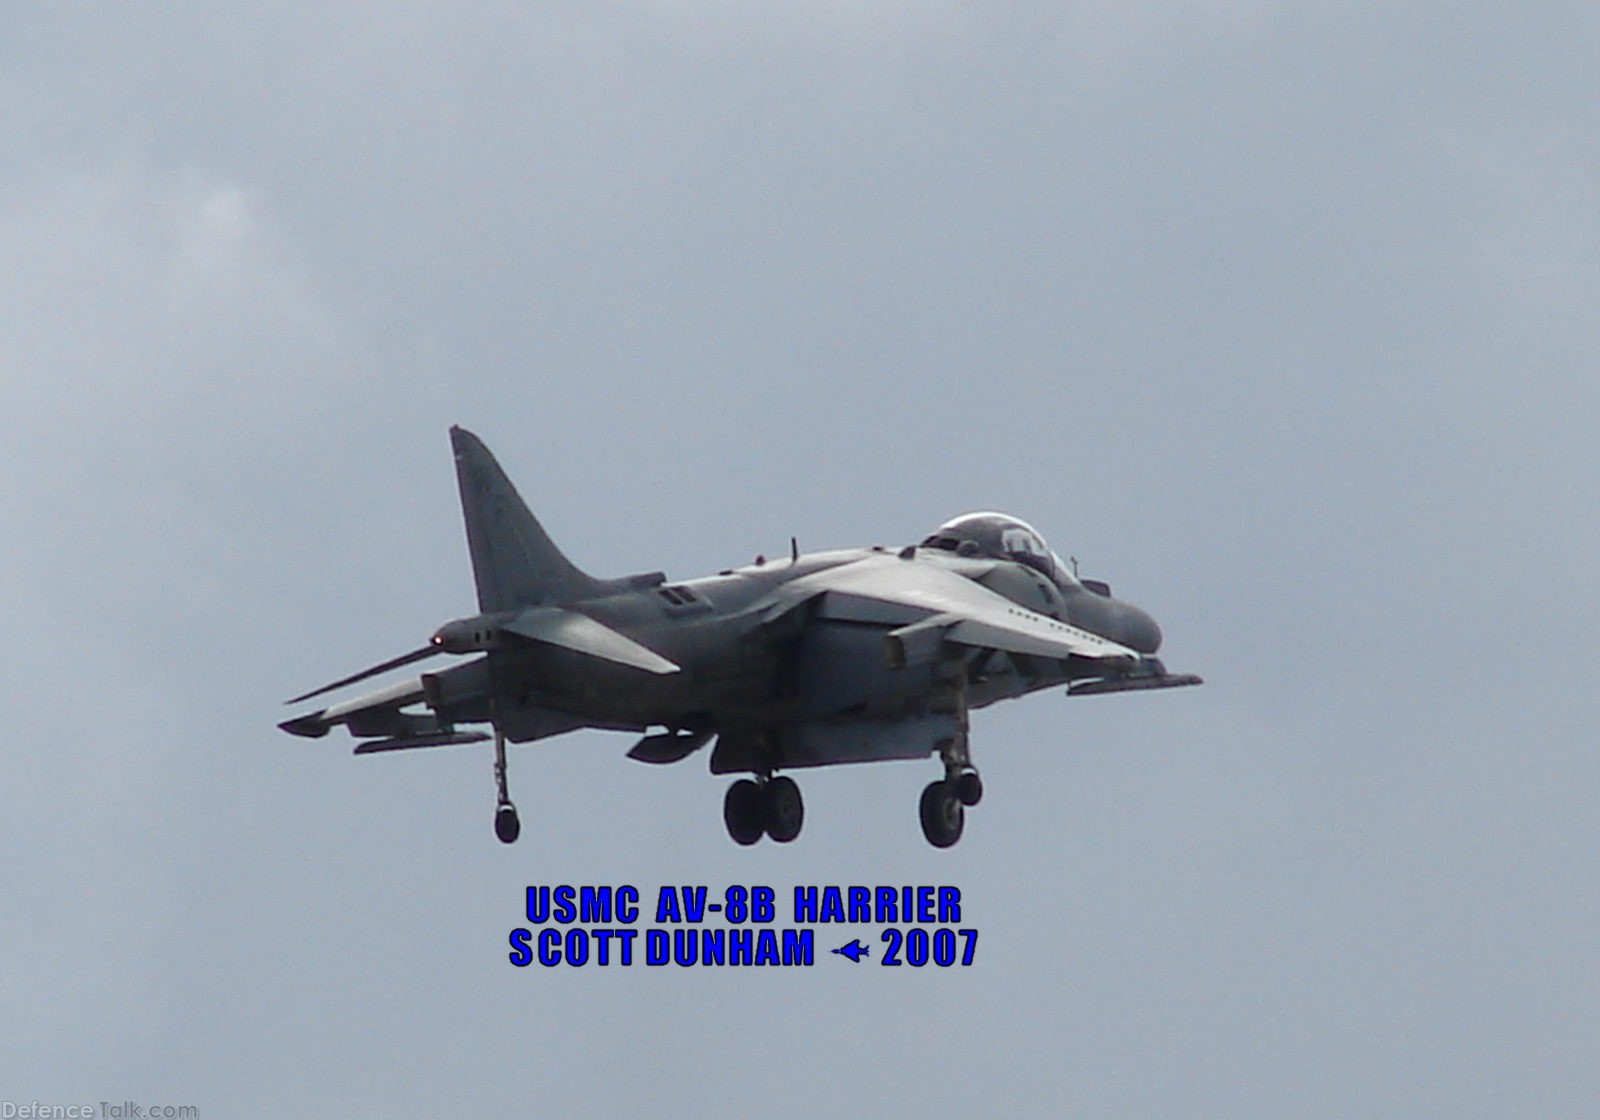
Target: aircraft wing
{"x":382,"y":716}
{"x":383,"y":706}
{"x":927,"y":603}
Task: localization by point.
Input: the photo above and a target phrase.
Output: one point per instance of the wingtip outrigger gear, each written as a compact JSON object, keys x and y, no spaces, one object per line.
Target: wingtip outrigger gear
{"x":507,"y":825}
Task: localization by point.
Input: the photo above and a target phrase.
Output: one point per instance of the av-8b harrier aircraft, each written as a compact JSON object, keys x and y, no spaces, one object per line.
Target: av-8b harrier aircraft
{"x":858,"y":655}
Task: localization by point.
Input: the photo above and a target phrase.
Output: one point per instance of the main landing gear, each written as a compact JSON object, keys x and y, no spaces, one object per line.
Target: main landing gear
{"x":507,"y":826}
{"x":767,"y":806}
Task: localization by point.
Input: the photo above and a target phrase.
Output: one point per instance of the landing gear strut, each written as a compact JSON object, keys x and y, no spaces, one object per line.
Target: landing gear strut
{"x":944,"y":803}
{"x":768,"y":806}
{"x":507,"y":826}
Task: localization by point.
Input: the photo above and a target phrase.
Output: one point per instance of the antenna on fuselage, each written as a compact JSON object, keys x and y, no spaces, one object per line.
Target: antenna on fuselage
{"x":1074,"y":560}
{"x":794,"y":550}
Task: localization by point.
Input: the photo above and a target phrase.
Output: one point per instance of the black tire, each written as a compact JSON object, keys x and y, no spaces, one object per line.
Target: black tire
{"x":744,"y":812}
{"x":507,"y":826}
{"x":785,"y":812}
{"x":969,"y":788}
{"x":942,"y":815}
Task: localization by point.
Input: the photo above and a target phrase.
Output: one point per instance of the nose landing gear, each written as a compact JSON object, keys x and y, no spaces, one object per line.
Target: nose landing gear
{"x":942,"y":814}
{"x":969,"y":788}
{"x":944,"y":803}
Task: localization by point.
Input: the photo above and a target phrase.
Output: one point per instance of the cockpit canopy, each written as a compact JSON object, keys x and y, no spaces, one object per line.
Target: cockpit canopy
{"x":998,"y":536}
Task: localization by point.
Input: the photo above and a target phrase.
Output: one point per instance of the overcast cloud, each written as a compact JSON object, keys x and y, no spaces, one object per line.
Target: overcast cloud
{"x":1281,"y":321}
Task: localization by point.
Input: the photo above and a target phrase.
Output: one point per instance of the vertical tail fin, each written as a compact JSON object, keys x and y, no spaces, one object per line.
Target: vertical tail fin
{"x":514,"y":561}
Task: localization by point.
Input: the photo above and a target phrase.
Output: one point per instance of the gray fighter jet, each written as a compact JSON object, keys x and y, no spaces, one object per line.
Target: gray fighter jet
{"x":857,"y":655}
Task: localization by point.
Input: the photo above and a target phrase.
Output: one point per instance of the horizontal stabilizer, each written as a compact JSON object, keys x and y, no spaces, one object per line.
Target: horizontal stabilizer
{"x":582,"y":634}
{"x":443,"y":739}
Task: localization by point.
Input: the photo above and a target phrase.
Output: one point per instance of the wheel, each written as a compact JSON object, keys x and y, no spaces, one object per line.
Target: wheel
{"x":969,"y":788}
{"x":744,"y":811}
{"x":506,"y":824}
{"x":942,"y":815}
{"x":785,"y":812}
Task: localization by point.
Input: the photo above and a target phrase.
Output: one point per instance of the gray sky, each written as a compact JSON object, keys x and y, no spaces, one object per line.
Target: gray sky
{"x":1282,"y":322}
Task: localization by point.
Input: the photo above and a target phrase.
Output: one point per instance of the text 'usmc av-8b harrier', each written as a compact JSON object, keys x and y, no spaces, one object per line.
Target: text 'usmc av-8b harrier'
{"x":858,"y":655}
